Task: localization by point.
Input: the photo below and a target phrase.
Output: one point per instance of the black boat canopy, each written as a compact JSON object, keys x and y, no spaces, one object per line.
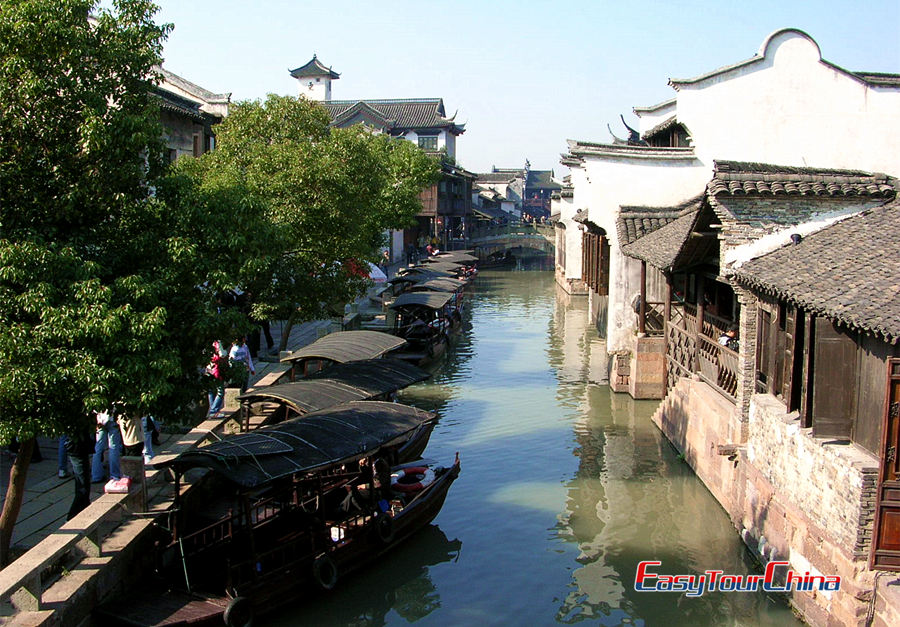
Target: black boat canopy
{"x":432,"y":300}
{"x":429,"y":269}
{"x":445,"y":284}
{"x":348,"y":346}
{"x":444,"y":266}
{"x":455,"y":255}
{"x":305,"y":444}
{"x":341,"y":383}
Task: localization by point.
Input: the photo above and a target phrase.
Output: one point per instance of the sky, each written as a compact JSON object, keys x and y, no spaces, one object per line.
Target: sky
{"x":523,"y":76}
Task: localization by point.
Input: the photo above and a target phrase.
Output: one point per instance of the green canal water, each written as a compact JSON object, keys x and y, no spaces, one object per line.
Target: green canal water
{"x":564,"y":488}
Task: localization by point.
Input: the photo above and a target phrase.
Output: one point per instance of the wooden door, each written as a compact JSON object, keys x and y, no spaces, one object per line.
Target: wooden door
{"x":834,"y":381}
{"x":886,"y":543}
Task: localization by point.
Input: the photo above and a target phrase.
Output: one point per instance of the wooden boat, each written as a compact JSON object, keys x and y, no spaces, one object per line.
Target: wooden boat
{"x":280,"y":509}
{"x":369,"y":379}
{"x":425,"y":320}
{"x":340,"y":347}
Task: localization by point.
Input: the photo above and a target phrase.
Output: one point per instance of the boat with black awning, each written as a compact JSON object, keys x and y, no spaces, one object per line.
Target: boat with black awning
{"x":340,"y":347}
{"x":369,"y":379}
{"x":302,"y":502}
{"x":424,"y":320}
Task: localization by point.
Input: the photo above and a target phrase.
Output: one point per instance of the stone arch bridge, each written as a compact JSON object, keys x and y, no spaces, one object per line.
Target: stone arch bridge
{"x":521,"y":240}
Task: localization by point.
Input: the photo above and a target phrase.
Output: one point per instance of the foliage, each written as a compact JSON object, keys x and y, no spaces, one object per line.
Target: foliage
{"x":93,"y":288}
{"x":329,"y":194}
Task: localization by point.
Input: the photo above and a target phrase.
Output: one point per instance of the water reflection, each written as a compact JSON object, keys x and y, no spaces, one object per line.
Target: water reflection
{"x":398,"y":583}
{"x":564,"y":488}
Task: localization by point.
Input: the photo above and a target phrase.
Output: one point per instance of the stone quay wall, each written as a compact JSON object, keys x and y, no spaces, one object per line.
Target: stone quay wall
{"x":808,"y":501}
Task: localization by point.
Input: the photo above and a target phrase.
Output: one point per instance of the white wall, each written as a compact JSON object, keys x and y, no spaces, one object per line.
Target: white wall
{"x":654,"y":117}
{"x":631,"y":181}
{"x":786,"y":107}
{"x":315,"y":88}
{"x":446,"y":141}
{"x":790,"y":108}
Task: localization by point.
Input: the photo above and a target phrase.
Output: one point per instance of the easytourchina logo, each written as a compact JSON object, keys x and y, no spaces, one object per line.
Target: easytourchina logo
{"x":646,"y":580}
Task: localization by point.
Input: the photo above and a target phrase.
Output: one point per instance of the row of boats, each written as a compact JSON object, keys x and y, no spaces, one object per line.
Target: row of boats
{"x":325,"y":476}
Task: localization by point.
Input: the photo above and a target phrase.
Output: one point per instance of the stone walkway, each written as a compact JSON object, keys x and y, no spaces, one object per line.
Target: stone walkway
{"x":47,"y":497}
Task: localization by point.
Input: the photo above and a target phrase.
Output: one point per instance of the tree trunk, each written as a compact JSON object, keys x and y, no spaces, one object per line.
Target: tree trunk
{"x":15,"y":492}
{"x":285,"y":333}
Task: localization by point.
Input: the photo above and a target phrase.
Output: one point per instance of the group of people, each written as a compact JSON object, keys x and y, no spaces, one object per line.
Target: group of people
{"x":115,"y":434}
{"x":234,"y":366}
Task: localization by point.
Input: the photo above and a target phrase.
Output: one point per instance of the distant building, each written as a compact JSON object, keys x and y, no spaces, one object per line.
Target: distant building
{"x":446,"y":206}
{"x":530,"y":190}
{"x":188,"y":114}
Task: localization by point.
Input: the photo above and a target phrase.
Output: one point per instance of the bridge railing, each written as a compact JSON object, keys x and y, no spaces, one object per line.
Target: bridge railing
{"x":520,"y":229}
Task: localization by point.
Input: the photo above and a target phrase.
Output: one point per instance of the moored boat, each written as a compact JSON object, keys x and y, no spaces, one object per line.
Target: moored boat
{"x":302,"y":502}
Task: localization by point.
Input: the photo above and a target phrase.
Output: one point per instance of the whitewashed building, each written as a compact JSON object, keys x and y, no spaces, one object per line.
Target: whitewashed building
{"x":785,"y":105}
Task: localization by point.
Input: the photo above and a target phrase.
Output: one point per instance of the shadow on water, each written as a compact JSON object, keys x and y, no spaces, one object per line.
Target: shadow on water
{"x":401,"y":587}
{"x":565,"y":487}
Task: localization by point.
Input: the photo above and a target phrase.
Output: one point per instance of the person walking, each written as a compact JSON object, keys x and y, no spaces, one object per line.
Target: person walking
{"x":62,"y":457}
{"x":239,"y":357}
{"x":108,"y":438}
{"x":79,"y":445}
{"x":215,"y":371}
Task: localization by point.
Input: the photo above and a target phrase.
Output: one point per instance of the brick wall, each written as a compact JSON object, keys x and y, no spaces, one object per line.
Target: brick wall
{"x":791,"y":496}
{"x":835,"y":480}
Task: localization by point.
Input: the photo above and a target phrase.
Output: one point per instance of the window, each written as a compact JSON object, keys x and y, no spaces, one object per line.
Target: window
{"x":428,"y":142}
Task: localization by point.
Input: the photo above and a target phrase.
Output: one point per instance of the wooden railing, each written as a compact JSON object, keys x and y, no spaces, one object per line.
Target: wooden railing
{"x":691,"y":351}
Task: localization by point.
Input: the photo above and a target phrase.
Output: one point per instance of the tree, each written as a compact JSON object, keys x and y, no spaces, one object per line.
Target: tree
{"x":106,"y":294}
{"x":330,"y":194}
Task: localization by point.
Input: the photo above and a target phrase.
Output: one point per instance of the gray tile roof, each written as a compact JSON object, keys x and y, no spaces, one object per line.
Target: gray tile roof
{"x":178,"y":104}
{"x":880,"y":78}
{"x":497,"y":177}
{"x":671,"y":246}
{"x":406,"y":114}
{"x":201,"y":93}
{"x":314,"y":68}
{"x":740,"y":178}
{"x":849,"y":271}
{"x":636,"y":222}
{"x":541,"y":179}
{"x":662,"y":127}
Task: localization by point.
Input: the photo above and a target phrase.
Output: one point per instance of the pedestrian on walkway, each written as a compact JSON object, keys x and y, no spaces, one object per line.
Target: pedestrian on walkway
{"x":62,"y":457}
{"x":132,"y":436}
{"x":108,"y":438}
{"x":215,"y":370}
{"x":241,"y":362}
{"x":79,"y":446}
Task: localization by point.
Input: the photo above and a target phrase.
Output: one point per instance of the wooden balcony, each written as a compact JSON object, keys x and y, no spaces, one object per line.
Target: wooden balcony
{"x":692,"y":347}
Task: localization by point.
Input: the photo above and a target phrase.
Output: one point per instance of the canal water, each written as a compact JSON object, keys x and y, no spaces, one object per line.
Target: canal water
{"x":565,"y":488}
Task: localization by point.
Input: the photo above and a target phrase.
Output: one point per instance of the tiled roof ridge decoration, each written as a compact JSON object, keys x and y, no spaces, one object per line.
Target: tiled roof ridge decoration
{"x":744,"y":178}
{"x":407,"y":113}
{"x":848,"y":272}
{"x":660,"y":105}
{"x":313,"y":67}
{"x":579,"y":149}
{"x":867,"y":78}
{"x":193,"y":88}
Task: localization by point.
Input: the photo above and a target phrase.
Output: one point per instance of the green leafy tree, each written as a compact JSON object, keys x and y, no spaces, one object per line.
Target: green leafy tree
{"x":329,"y":193}
{"x":107,"y":290}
